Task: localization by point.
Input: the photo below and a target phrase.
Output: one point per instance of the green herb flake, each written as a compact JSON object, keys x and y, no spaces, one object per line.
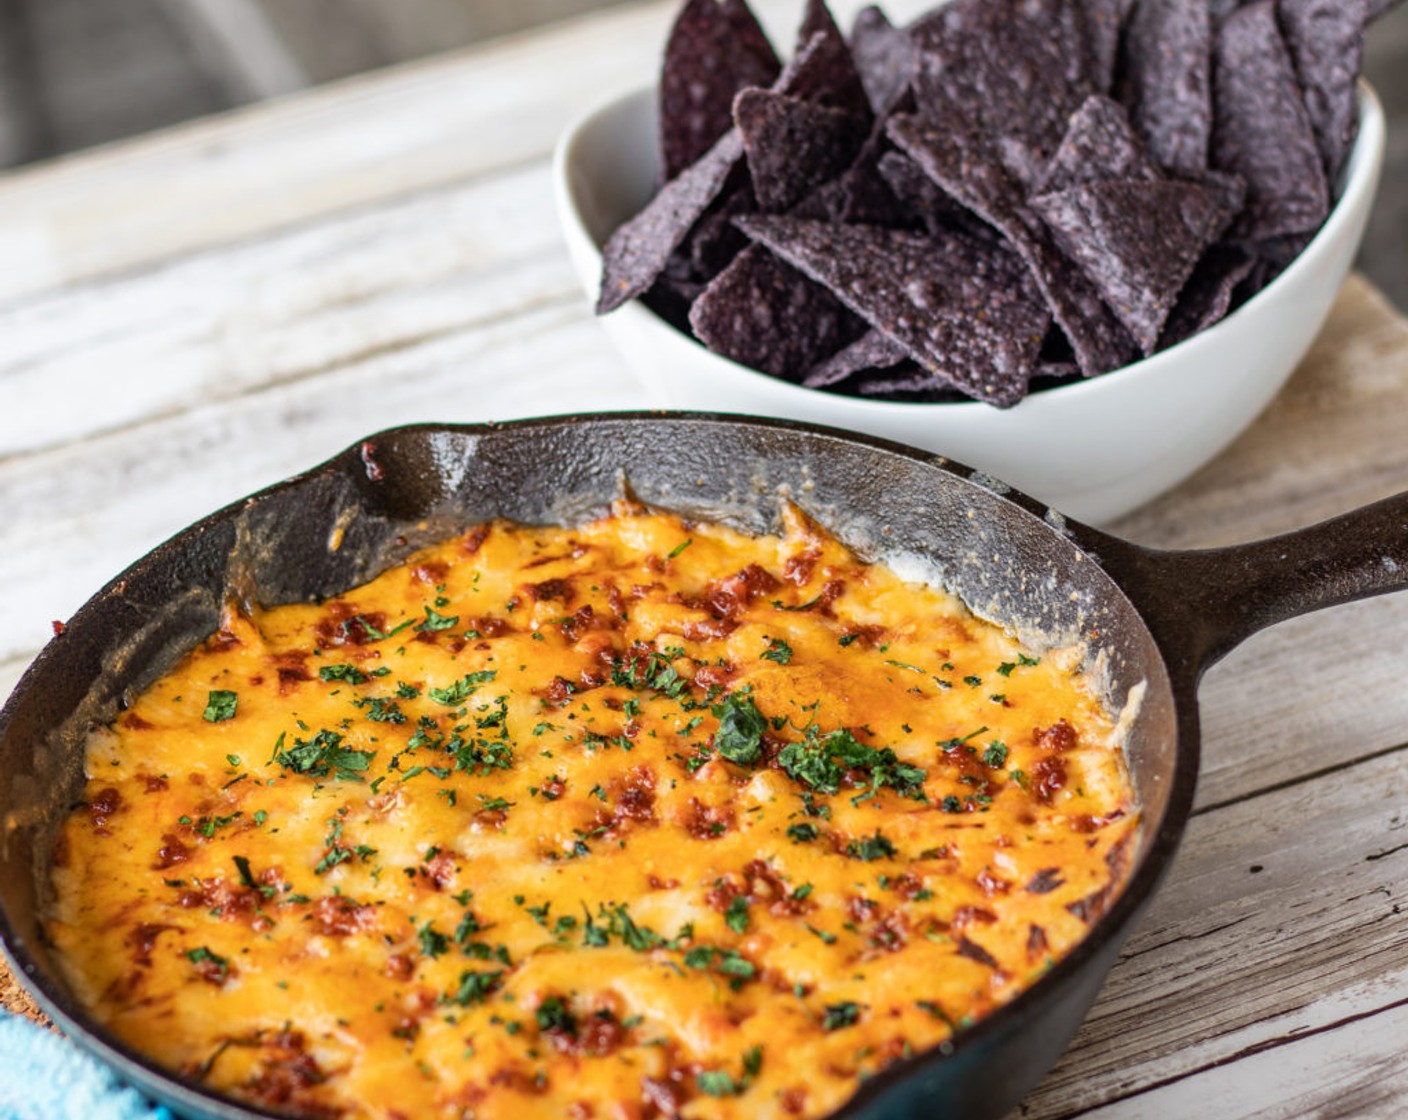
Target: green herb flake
{"x":778,"y":651}
{"x":740,"y":735}
{"x":995,"y":755}
{"x":838,"y":1015}
{"x":220,"y":705}
{"x":434,"y":621}
{"x":736,"y":916}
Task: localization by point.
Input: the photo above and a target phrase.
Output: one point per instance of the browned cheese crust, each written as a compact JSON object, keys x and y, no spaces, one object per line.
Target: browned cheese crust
{"x":640,"y":818}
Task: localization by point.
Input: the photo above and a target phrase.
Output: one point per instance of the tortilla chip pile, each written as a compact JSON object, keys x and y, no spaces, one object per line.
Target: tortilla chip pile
{"x":1001,"y":196}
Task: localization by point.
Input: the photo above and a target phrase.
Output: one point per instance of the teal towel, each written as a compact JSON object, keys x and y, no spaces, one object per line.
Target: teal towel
{"x":45,"y":1077}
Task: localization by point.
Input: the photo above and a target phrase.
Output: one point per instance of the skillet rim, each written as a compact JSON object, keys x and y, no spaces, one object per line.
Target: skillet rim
{"x":1103,"y":937}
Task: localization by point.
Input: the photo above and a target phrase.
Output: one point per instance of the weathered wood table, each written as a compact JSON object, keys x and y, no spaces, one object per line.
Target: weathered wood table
{"x":186,"y":318}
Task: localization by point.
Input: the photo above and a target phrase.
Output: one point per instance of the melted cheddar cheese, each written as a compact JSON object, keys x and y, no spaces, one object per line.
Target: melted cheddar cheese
{"x":640,"y":818}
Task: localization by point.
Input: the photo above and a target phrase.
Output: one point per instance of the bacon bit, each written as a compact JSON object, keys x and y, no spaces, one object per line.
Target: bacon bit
{"x":153,"y":783}
{"x":635,"y":797}
{"x":793,"y":1100}
{"x":598,"y":1035}
{"x":975,"y":952}
{"x":518,"y":1081}
{"x":663,"y":1098}
{"x":709,"y":629}
{"x":1044,"y":881}
{"x":861,"y":909}
{"x":432,"y":572}
{"x":59,"y":627}
{"x":1048,"y":776}
{"x":399,"y":966}
{"x":490,"y":818}
{"x":474,"y":540}
{"x":992,"y":884}
{"x":891,"y":933}
{"x":104,"y":804}
{"x":1060,"y":736}
{"x":582,"y":620}
{"x":799,"y":568}
{"x":142,"y":940}
{"x":580,"y":1110}
{"x":171,"y":852}
{"x":287,"y":1072}
{"x":336,"y":916}
{"x":708,"y":822}
{"x":709,"y":676}
{"x":616,"y":602}
{"x":559,"y":691}
{"x":553,"y":590}
{"x":407,"y":1029}
{"x":907,"y":886}
{"x":224,"y":900}
{"x":292,"y":671}
{"x":440,"y":868}
{"x":1037,"y":945}
{"x":658,"y":884}
{"x":831,"y":590}
{"x":732,"y":594}
{"x":966,"y":916}
{"x":871,"y":637}
{"x":722,"y":893}
{"x":136,"y":722}
{"x":489,"y":627}
{"x":344,"y":625}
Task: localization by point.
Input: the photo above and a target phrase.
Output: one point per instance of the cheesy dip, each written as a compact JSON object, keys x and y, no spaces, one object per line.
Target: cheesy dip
{"x":643,"y":818}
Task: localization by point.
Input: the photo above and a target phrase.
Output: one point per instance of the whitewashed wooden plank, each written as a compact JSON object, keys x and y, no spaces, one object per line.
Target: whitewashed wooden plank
{"x":1359,"y":1069}
{"x":102,"y":503}
{"x":296,"y":159}
{"x":1282,"y":914}
{"x":215,"y":326}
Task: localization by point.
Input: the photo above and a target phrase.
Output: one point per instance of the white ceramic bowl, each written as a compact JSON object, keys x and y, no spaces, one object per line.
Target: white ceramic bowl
{"x":1094,"y":449}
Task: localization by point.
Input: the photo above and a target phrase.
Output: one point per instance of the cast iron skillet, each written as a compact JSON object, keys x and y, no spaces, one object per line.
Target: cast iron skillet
{"x":1153,"y":620}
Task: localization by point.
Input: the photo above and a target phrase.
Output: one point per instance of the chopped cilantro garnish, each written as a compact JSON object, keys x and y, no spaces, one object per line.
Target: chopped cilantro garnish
{"x":553,"y":1014}
{"x":220,"y":705}
{"x":432,"y":942}
{"x":736,"y":916}
{"x":995,"y":755}
{"x":322,"y":755}
{"x":463,"y":688}
{"x":435,"y":621}
{"x":802,"y":833}
{"x":778,"y":651}
{"x":474,"y":987}
{"x":349,"y":673}
{"x":838,"y":1015}
{"x":871,"y":848}
{"x":740,"y":735}
{"x":680,"y":548}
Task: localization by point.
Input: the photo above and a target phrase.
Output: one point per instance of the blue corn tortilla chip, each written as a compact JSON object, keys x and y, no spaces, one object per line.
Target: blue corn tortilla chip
{"x":966,"y":310}
{"x":793,"y":146}
{"x":1099,"y":340}
{"x":715,"y":240}
{"x":1138,"y":241}
{"x":845,"y":90}
{"x":874,"y":350}
{"x":885,"y":57}
{"x":1010,"y":72}
{"x":1104,"y":22}
{"x":1325,"y":39}
{"x":715,"y":49}
{"x":638,"y":251}
{"x":1261,"y":129}
{"x":763,"y":313}
{"x":1207,"y":296}
{"x":1167,"y":82}
{"x":1100,"y":144}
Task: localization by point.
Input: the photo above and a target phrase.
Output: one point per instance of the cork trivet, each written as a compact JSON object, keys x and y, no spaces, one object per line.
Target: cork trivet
{"x":16,"y":999}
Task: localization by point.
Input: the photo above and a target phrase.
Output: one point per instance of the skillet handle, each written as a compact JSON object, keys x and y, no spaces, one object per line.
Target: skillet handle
{"x":1201,"y":604}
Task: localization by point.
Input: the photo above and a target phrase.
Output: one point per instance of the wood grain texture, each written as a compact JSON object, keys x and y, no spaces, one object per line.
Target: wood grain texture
{"x":210,"y":311}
